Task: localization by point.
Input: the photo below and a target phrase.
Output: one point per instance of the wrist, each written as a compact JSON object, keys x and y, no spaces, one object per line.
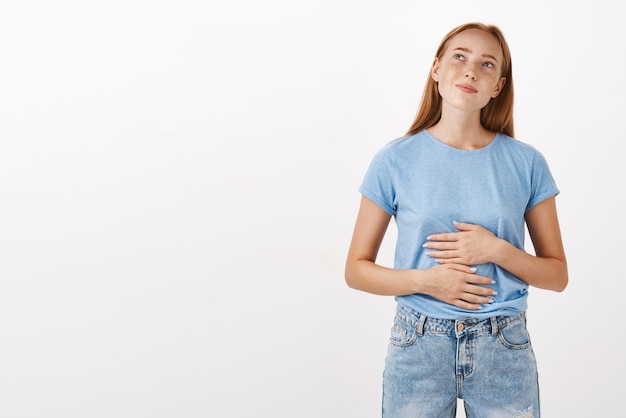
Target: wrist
{"x":417,"y":279}
{"x":499,"y":251}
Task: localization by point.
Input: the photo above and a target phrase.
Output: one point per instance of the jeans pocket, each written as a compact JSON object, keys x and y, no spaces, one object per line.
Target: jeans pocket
{"x":402,"y":335}
{"x":515,"y":335}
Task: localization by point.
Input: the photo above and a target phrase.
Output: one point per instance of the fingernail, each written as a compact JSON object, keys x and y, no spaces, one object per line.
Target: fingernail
{"x":473,"y":269}
{"x":493,"y":282}
{"x":479,"y":307}
{"x":494,"y":293}
{"x":425,"y":245}
{"x":428,"y":238}
{"x":455,"y":222}
{"x":492,"y":300}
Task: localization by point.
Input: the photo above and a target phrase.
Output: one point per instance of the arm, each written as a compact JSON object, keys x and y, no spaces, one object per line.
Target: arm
{"x":547,"y":269}
{"x":452,"y":283}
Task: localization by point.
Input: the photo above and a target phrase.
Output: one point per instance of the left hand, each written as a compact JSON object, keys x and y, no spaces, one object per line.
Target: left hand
{"x":472,"y":245}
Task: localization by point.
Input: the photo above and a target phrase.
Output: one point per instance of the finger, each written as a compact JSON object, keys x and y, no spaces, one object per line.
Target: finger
{"x":461,"y":303}
{"x":460,"y":267}
{"x":476,"y":279}
{"x":440,"y":245}
{"x":478,"y":299}
{"x":482,"y":291}
{"x":462,"y":226}
{"x":451,"y":236}
{"x":449,"y":256}
{"x":443,"y":260}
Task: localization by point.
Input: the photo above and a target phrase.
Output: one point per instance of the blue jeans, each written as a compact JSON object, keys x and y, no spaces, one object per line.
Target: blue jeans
{"x":488,"y":363}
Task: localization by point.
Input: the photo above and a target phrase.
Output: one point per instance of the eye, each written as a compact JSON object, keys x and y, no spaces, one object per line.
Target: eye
{"x":488,"y":64}
{"x":459,"y":57}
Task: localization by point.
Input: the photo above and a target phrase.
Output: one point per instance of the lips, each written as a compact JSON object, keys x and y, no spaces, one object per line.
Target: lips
{"x":466,"y":88}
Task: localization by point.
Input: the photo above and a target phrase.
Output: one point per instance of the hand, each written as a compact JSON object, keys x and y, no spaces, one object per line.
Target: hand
{"x":472,"y":245}
{"x":458,"y":285}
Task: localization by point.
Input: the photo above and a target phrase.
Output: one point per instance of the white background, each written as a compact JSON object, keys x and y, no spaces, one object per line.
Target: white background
{"x":178,"y":185}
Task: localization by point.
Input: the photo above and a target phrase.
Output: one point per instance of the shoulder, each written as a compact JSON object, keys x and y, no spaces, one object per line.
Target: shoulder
{"x":518,"y":146}
{"x":403,"y":145}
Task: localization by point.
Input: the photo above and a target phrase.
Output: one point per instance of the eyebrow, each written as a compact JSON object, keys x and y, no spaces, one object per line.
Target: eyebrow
{"x":469,"y":51}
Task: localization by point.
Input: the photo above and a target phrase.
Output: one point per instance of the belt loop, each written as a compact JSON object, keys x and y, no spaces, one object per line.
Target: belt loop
{"x":420,"y":325}
{"x":495,"y":328}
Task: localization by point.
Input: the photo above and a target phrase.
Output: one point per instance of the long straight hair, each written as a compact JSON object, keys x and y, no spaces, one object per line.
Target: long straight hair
{"x":496,"y":116}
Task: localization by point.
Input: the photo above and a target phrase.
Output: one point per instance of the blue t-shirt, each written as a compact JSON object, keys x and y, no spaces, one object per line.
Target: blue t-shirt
{"x":426,"y":185}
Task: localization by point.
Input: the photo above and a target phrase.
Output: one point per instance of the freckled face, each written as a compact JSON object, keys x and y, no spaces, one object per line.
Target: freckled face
{"x":469,"y":70}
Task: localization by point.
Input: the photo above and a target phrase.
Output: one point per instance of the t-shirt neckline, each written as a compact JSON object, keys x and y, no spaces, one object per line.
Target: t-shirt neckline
{"x":462,"y":151}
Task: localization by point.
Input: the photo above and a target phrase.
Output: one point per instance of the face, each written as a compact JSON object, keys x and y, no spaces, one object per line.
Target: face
{"x":469,"y":70}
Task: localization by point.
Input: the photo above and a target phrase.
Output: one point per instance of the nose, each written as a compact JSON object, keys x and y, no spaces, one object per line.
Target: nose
{"x":470,"y":72}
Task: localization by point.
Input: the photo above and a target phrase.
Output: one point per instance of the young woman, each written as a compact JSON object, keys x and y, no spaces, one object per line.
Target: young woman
{"x":461,"y":190}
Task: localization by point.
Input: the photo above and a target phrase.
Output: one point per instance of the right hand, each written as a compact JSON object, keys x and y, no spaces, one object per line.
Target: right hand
{"x":459,"y":285}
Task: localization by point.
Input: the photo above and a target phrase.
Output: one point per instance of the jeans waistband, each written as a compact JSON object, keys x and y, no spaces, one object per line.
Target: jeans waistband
{"x":421,"y":323}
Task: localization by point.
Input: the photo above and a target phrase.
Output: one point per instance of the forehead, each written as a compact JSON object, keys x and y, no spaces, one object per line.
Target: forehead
{"x":477,"y":41}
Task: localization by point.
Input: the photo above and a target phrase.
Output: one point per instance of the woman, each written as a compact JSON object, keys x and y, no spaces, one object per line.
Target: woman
{"x":461,"y":190}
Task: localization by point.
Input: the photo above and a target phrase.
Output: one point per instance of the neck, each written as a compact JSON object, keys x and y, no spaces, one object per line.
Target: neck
{"x":462,"y":133}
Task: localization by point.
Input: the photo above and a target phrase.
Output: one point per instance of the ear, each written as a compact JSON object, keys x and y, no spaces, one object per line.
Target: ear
{"x":434,"y":71}
{"x":499,"y":87}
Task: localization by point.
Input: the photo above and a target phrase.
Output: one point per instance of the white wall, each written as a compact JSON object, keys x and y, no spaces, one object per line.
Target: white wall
{"x":179,"y":185}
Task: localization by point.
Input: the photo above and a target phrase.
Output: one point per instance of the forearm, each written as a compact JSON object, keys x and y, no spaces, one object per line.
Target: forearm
{"x":474,"y":245}
{"x":453,"y":284}
{"x":370,"y":277}
{"x":543,"y":272}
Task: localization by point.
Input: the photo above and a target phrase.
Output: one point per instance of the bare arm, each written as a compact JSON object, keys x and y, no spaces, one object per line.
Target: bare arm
{"x":452,"y":283}
{"x":547,"y":269}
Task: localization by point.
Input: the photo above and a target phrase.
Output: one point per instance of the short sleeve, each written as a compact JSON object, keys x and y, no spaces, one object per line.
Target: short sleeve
{"x":378,"y":183}
{"x":542,"y":183}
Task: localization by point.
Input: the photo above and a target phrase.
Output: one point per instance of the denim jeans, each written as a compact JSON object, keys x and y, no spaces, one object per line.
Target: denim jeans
{"x":488,"y":363}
